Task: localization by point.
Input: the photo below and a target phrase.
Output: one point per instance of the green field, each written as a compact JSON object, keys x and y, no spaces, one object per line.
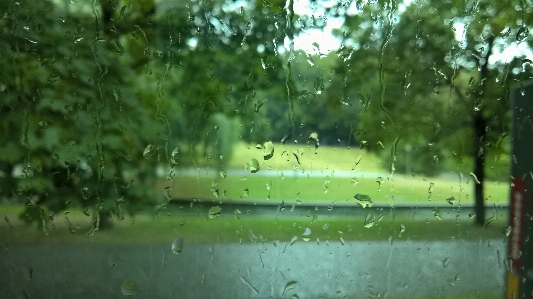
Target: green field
{"x":324,"y":158}
{"x":257,"y":188}
{"x":328,"y":188}
{"x":150,"y":228}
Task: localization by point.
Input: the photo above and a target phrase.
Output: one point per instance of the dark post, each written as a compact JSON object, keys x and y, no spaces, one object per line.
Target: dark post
{"x":520,"y":250}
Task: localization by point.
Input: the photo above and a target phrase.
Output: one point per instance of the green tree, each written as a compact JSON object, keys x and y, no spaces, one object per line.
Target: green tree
{"x":95,"y":98}
{"x":431,"y":88}
{"x":69,"y":118}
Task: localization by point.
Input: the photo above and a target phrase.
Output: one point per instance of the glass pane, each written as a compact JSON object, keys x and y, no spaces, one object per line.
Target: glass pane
{"x":265,"y":149}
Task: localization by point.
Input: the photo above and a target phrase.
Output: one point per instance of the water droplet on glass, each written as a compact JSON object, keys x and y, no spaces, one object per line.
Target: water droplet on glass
{"x":319,"y":85}
{"x":223,"y":174}
{"x":268,"y":150}
{"x":177,"y":246}
{"x":370,"y":220}
{"x":450,"y":200}
{"x":314,"y":137}
{"x":471,"y":81}
{"x":436,"y":213}
{"x":306,"y":235}
{"x":445,"y":262}
{"x":379,"y":180}
{"x":289,"y":286}
{"x":129,"y":288}
{"x":254,"y":165}
{"x":402,"y":230}
{"x":214,"y":212}
{"x":506,"y":31}
{"x":475,"y":178}
{"x":149,"y":151}
{"x":293,"y":240}
{"x":522,"y":33}
{"x":508,"y":231}
{"x":174,"y":156}
{"x":246,"y":192}
{"x":53,"y":78}
{"x":85,"y":193}
{"x":363,"y":200}
{"x":430,"y":190}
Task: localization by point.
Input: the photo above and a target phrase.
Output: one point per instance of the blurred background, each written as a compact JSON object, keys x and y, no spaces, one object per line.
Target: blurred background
{"x":143,"y":127}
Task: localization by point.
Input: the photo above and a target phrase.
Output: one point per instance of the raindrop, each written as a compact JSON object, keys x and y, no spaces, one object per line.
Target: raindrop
{"x":319,"y":85}
{"x":53,"y":78}
{"x":293,"y":240}
{"x":445,"y":262}
{"x":268,"y":150}
{"x":402,"y":230}
{"x":289,"y":286}
{"x":149,"y":151}
{"x":450,"y":200}
{"x":254,"y":165}
{"x":246,"y":282}
{"x":246,"y":192}
{"x":177,"y":246}
{"x":363,"y":200}
{"x":471,"y":81}
{"x":253,"y":237}
{"x":506,"y":31}
{"x":306,"y":235}
{"x":42,"y":125}
{"x":370,"y":220}
{"x":475,"y":178}
{"x":85,"y":193}
{"x":508,"y":231}
{"x":223,"y":174}
{"x":314,"y":137}
{"x":436,"y":213}
{"x":129,"y":288}
{"x":174,"y":156}
{"x":379,"y":180}
{"x":296,"y":153}
{"x":214,"y":212}
{"x":522,"y":33}
{"x":430,"y":190}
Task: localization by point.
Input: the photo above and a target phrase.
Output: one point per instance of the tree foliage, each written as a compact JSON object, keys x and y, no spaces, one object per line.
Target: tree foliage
{"x":436,"y":87}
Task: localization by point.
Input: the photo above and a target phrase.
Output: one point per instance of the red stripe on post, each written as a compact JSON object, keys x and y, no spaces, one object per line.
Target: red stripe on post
{"x":516,"y":221}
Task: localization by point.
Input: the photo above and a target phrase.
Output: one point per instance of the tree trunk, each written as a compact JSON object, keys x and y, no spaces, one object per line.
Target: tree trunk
{"x":479,"y":124}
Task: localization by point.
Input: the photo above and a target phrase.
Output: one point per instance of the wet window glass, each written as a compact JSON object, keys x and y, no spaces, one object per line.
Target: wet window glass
{"x":266,"y":149}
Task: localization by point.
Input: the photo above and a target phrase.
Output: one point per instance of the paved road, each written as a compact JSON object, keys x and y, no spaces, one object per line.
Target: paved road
{"x":270,"y":270}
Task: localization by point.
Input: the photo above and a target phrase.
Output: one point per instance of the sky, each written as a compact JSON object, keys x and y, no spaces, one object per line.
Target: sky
{"x":315,"y":41}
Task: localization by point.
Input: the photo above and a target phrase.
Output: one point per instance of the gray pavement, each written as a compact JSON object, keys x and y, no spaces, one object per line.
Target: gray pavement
{"x":270,"y":270}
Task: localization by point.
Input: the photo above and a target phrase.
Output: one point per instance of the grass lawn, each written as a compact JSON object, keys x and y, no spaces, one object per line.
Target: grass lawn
{"x":255,"y":187}
{"x":325,"y":158}
{"x":326,"y":187}
{"x":145,"y":228}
